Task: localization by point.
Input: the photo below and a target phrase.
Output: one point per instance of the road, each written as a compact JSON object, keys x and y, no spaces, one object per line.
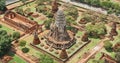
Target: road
{"x":86,"y":6}
{"x":93,"y":51}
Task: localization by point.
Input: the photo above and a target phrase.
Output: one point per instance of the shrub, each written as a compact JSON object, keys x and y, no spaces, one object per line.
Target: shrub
{"x":22,"y":43}
{"x":108,"y":46}
{"x":16,"y":35}
{"x":25,"y":50}
{"x":96,"y":30}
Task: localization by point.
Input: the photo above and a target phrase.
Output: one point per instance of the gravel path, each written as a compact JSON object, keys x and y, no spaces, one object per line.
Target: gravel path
{"x":86,"y":6}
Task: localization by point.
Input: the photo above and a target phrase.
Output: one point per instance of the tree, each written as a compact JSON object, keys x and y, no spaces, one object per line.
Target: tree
{"x":72,"y":11}
{"x":5,"y":43}
{"x":2,"y":5}
{"x":108,"y":46}
{"x":3,"y":32}
{"x":96,"y":30}
{"x":48,"y":22}
{"x":40,"y":8}
{"x":22,"y":43}
{"x":46,"y":59}
{"x":69,"y":20}
{"x":16,"y":35}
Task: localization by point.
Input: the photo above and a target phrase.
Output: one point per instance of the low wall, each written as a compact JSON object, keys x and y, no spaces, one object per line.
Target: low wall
{"x":17,"y":25}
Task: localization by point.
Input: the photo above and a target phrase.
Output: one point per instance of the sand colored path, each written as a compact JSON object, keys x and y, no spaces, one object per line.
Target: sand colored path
{"x":12,"y":6}
{"x":93,"y":51}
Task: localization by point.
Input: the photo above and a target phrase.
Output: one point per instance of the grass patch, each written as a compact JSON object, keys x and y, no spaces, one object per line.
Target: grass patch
{"x":7,"y":29}
{"x":16,"y":59}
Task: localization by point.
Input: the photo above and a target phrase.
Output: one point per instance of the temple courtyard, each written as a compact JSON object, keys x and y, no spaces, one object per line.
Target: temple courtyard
{"x":59,"y":31}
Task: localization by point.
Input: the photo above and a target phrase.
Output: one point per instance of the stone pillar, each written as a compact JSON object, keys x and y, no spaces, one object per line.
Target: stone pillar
{"x":63,"y":54}
{"x":36,"y":39}
{"x":54,"y":6}
{"x":85,"y":37}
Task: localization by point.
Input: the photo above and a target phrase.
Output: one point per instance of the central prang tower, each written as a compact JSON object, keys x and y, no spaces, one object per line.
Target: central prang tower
{"x":58,"y":37}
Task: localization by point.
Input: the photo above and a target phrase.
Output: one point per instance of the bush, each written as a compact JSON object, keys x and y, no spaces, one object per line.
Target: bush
{"x":25,"y":50}
{"x":5,"y":44}
{"x":22,"y":43}
{"x":16,"y":35}
{"x":108,"y":46}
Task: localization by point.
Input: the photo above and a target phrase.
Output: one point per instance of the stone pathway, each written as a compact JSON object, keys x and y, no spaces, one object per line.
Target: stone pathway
{"x":12,"y":6}
{"x":86,"y":6}
{"x":93,"y":51}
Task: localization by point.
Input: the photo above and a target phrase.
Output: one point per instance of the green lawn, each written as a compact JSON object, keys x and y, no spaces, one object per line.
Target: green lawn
{"x":16,"y":59}
{"x":7,"y":29}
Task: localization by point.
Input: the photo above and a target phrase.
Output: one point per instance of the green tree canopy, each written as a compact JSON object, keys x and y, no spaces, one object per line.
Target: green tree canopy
{"x":108,"y":46}
{"x":96,"y":30}
{"x":72,"y":11}
{"x":2,"y":5}
{"x":22,"y":43}
{"x":16,"y":35}
{"x":5,"y":42}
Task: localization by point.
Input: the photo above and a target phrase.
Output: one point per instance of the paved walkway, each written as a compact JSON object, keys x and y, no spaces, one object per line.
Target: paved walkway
{"x":93,"y":51}
{"x":86,"y":6}
{"x":12,"y":6}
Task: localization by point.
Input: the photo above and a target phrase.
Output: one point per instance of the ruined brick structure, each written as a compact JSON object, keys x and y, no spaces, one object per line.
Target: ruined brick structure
{"x":19,"y":22}
{"x":107,"y":58}
{"x":36,"y":39}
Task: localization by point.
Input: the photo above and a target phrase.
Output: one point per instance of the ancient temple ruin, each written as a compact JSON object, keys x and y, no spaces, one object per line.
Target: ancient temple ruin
{"x":58,"y":37}
{"x":19,"y":22}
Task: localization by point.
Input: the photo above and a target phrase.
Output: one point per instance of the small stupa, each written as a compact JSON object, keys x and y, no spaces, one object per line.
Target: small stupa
{"x":54,"y":6}
{"x":63,"y":54}
{"x":36,"y":39}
